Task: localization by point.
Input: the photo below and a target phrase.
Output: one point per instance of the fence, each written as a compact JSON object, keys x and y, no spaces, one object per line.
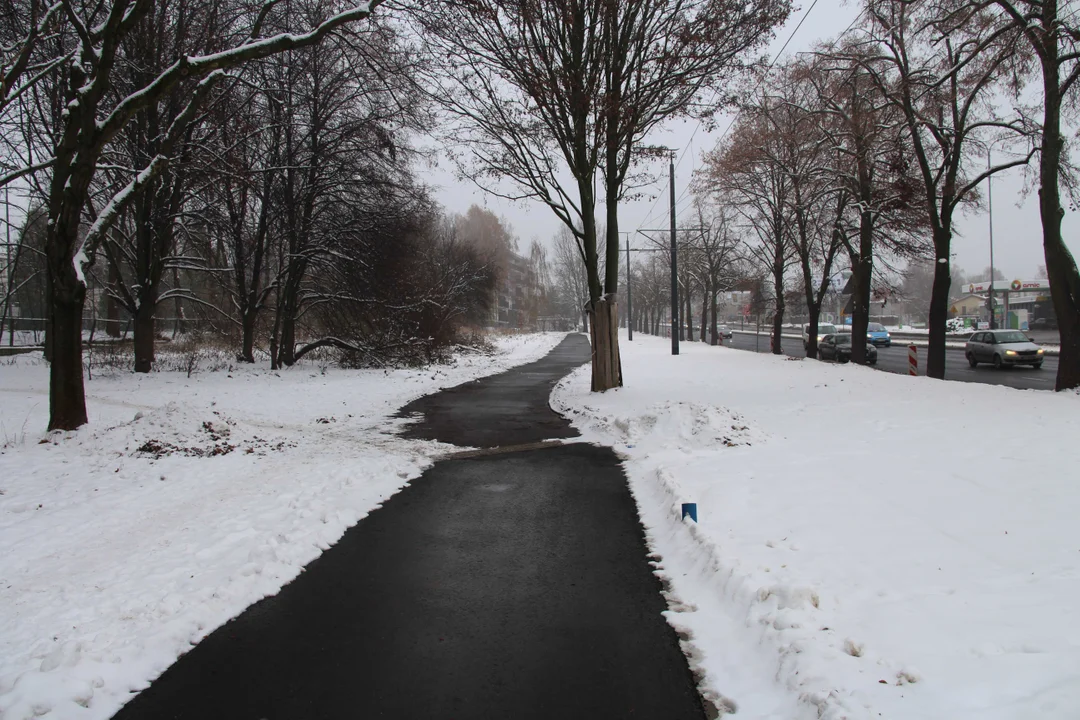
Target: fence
{"x":30,"y":332}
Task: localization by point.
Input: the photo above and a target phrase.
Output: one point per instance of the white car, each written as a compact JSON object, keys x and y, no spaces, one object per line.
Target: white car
{"x":823,"y":329}
{"x":724,"y":331}
{"x":1003,"y":348}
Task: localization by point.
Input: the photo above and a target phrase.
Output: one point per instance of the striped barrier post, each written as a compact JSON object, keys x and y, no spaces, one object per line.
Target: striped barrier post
{"x":913,"y":360}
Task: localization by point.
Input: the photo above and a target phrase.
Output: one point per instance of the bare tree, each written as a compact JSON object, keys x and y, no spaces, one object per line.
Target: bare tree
{"x":523,"y":80}
{"x":569,"y":277}
{"x":1054,"y":36}
{"x":547,"y":84}
{"x":718,"y":257}
{"x":870,"y":167}
{"x":746,"y":173}
{"x":92,"y":43}
{"x":940,"y":73}
{"x":660,"y":56}
{"x":239,"y":202}
{"x":817,"y":205}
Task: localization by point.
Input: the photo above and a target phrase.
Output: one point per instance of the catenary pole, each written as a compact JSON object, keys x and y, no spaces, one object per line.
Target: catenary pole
{"x":629,"y":295}
{"x":675,"y":324}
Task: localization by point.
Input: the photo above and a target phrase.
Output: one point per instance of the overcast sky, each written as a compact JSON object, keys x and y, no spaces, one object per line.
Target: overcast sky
{"x":1017,"y":230}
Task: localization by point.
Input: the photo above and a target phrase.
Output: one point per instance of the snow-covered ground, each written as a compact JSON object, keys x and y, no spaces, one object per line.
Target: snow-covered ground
{"x":869,"y":545}
{"x":181,"y":503}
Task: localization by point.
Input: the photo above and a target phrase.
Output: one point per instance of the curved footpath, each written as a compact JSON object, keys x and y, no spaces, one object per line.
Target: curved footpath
{"x":512,"y":584}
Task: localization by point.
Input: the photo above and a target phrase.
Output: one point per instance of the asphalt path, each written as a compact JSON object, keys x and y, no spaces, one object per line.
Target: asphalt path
{"x":506,"y":409}
{"x":895,"y":359}
{"x":514,"y":584}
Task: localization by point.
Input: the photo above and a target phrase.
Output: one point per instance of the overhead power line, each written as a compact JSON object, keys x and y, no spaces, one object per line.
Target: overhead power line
{"x":686,"y":189}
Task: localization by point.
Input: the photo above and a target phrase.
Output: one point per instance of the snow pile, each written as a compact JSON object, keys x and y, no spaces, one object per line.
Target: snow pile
{"x":873,"y":545}
{"x":673,"y":425}
{"x":183,"y":502}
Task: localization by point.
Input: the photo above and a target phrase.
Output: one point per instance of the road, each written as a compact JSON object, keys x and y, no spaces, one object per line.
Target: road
{"x":895,"y":360}
{"x":511,"y":584}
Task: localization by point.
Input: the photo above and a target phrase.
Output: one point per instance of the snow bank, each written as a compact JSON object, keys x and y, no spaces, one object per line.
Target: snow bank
{"x":870,"y":545}
{"x":180,"y":504}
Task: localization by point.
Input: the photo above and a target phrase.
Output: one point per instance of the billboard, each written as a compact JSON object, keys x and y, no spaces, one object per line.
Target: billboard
{"x":1011,"y":285}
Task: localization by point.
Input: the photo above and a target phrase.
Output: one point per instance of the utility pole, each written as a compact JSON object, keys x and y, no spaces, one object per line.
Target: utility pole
{"x":990,"y":206}
{"x":629,"y":296}
{"x":675,"y":325}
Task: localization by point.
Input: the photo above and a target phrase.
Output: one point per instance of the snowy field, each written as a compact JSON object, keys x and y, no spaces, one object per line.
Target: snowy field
{"x":180,"y":504}
{"x":870,"y":545}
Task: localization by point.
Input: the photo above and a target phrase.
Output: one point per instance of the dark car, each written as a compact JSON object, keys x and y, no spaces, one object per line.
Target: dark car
{"x":1003,"y":348}
{"x":1044,"y":324}
{"x":838,"y":347}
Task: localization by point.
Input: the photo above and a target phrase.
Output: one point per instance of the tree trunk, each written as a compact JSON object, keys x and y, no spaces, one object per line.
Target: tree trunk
{"x":704,"y":315}
{"x":287,"y":340}
{"x":812,"y":331}
{"x":67,"y":402}
{"x":715,"y":338}
{"x":289,"y":306}
{"x":860,"y":301}
{"x":606,"y":366}
{"x":144,"y":337}
{"x":778,"y":316}
{"x":48,"y":344}
{"x":1060,"y":265}
{"x":939,"y":313}
{"x":778,"y":329}
{"x":247,"y":323}
{"x":939,"y":305}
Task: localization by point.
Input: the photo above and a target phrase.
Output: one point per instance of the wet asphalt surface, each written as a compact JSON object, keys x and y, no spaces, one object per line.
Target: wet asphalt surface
{"x":500,"y":410}
{"x":511,"y":585}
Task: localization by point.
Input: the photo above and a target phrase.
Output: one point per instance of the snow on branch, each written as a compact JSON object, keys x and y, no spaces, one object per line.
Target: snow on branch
{"x":112,"y":210}
{"x":202,"y":65}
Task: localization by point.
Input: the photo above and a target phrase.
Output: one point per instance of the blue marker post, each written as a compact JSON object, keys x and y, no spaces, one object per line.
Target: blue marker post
{"x":691,"y":510}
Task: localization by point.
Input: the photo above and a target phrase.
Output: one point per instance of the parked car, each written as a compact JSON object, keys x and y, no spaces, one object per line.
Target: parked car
{"x":838,"y":347}
{"x":823,"y":329}
{"x":1044,"y":324}
{"x":723,"y":331}
{"x":1003,"y":348}
{"x":878,"y":335}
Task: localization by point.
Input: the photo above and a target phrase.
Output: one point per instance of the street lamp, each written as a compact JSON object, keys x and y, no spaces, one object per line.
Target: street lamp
{"x":990,"y":208}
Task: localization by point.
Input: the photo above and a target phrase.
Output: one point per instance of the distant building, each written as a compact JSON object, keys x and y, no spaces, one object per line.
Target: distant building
{"x":512,"y":294}
{"x":969,"y":305}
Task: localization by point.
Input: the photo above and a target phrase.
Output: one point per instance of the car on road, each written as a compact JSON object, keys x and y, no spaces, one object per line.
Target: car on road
{"x":878,"y":335}
{"x":838,"y":347}
{"x":1002,"y":348}
{"x":724,"y":331}
{"x":1044,"y":324}
{"x":823,"y":329}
